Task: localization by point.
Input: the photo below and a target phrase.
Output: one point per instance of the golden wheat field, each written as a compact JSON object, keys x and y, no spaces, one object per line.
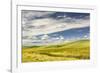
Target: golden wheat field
{"x":76,"y":50}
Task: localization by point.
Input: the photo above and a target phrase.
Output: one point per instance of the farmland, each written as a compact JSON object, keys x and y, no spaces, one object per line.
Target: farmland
{"x":74,"y":50}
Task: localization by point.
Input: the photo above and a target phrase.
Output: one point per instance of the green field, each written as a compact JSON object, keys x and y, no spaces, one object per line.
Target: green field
{"x":76,"y":50}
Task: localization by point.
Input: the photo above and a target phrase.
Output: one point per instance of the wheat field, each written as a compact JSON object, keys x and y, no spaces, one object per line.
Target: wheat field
{"x":76,"y":50}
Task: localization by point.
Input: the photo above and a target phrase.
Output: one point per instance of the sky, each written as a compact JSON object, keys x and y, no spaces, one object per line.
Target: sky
{"x":41,"y":27}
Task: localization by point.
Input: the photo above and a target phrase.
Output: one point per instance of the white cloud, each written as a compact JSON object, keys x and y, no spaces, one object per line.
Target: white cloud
{"x":45,"y":37}
{"x":61,"y":37}
{"x":30,"y":14}
{"x":85,"y":36}
{"x":46,"y":25}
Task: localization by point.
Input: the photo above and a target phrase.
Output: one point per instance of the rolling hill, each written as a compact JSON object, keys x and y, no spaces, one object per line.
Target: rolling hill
{"x":75,"y":50}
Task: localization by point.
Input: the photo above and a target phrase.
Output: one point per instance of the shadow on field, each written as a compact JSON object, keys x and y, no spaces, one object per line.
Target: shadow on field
{"x":69,"y":56}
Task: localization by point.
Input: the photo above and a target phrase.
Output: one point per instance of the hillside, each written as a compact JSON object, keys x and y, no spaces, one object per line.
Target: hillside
{"x":76,"y":50}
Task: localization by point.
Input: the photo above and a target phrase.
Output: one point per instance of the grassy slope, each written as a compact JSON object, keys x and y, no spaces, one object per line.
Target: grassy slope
{"x":67,"y":51}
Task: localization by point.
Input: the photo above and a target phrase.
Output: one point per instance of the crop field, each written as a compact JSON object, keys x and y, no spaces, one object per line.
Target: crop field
{"x":75,"y":50}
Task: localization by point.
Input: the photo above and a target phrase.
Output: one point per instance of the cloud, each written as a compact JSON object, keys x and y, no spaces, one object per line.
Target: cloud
{"x":48,"y":25}
{"x":45,"y":37}
{"x":40,"y":22}
{"x":28,"y":15}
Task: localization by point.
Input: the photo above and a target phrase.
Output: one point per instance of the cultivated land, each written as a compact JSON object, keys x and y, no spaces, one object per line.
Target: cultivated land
{"x":76,"y":50}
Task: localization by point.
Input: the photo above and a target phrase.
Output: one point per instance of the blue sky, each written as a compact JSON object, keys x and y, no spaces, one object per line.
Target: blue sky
{"x":39,"y":26}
